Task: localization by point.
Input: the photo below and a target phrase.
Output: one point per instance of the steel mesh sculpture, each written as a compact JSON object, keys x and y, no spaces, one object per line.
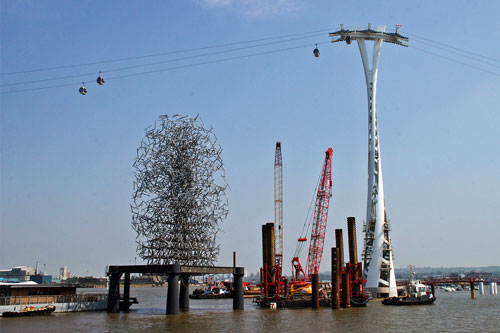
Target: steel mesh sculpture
{"x":179,"y":196}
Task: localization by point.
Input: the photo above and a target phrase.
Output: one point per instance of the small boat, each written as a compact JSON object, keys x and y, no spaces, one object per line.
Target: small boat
{"x":410,"y":300}
{"x":126,"y":304}
{"x":30,"y":311}
{"x":357,"y":302}
{"x":212,"y":293}
{"x":416,"y":293}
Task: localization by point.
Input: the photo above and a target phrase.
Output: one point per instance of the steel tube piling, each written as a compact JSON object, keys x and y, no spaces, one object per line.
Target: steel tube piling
{"x":238,"y":303}
{"x":184,"y":293}
{"x":335,"y":279}
{"x":339,"y":243}
{"x":173,"y":290}
{"x":315,"y":291}
{"x":114,"y":293}
{"x":346,"y":290}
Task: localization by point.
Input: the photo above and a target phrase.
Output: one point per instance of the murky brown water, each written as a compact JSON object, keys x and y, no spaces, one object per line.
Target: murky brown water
{"x":452,"y":312}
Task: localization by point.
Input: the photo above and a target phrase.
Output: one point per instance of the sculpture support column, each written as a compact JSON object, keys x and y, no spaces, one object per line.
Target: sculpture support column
{"x":114,"y":293}
{"x":238,"y":303}
{"x":184,"y":293}
{"x":173,"y":290}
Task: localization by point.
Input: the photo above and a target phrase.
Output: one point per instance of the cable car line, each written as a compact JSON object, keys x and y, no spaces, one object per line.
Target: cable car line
{"x":158,"y":62}
{"x":451,"y":47}
{"x":170,"y":68}
{"x":225,"y":59}
{"x":215,"y":61}
{"x":166,"y":53}
{"x":462,"y":55}
{"x":457,"y":61}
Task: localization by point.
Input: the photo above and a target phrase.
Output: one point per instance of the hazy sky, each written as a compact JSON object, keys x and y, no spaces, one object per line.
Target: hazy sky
{"x":66,"y":159}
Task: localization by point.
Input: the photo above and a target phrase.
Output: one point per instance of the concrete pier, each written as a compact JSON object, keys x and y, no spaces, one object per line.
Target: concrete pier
{"x":492,"y":288}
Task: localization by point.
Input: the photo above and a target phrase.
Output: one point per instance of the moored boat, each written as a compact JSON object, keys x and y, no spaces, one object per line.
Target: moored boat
{"x":415,"y":293}
{"x":410,"y":300}
{"x":30,"y":311}
{"x":212,"y":293}
{"x":16,"y":296}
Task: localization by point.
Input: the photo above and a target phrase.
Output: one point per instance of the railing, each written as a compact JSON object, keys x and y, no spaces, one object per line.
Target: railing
{"x":47,"y":299}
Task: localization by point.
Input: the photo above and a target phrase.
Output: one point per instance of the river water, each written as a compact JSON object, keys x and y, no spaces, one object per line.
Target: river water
{"x":452,"y":312}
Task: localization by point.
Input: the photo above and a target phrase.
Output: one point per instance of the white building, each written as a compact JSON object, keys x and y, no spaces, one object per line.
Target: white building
{"x":63,"y":273}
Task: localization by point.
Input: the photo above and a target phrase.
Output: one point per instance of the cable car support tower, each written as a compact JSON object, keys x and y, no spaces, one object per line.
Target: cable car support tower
{"x":377,"y":254}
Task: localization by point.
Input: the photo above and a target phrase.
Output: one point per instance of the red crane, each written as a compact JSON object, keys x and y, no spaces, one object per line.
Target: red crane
{"x":318,"y":230}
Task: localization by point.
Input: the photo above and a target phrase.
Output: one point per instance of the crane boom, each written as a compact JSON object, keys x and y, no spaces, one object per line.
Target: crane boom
{"x":278,"y":203}
{"x":320,"y":217}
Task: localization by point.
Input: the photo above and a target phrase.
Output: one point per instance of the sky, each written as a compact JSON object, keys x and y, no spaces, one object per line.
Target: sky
{"x":66,"y":160}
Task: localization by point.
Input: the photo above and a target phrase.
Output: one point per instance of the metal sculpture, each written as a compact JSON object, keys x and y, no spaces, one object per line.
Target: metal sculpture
{"x":179,"y":196}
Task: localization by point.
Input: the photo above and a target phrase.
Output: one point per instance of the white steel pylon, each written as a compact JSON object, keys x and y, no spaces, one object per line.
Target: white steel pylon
{"x":278,"y":204}
{"x":377,"y":254}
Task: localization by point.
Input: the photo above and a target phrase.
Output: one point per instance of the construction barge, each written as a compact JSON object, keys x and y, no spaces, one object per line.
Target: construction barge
{"x":346,"y":289}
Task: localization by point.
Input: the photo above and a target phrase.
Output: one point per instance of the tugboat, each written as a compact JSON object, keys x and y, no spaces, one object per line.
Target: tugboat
{"x":416,"y":293}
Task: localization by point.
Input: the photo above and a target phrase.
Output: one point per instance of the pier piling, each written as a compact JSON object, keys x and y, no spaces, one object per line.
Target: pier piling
{"x":335,"y":279}
{"x":351,"y":236}
{"x":114,"y":293}
{"x":346,"y":290}
{"x":238,"y":303}
{"x":126,"y":288}
{"x":339,"y":243}
{"x":315,"y":290}
{"x":472,"y":291}
{"x":184,"y":293}
{"x":173,"y":290}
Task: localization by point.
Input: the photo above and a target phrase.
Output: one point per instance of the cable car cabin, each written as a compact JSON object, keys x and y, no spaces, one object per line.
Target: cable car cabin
{"x":100,"y":80}
{"x":316,"y":52}
{"x":83,"y":90}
